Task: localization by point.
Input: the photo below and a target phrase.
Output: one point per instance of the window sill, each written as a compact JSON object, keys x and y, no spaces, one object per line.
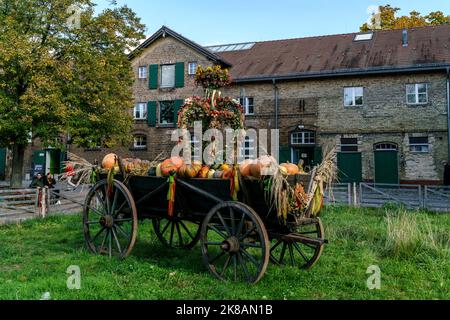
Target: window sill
{"x":139,"y":149}
{"x":165,"y":126}
{"x":140,"y":120}
{"x":413,"y":105}
{"x":354,"y":107}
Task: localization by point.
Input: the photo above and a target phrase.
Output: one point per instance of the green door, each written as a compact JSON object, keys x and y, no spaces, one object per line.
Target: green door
{"x":38,"y":162}
{"x":386,"y":167}
{"x":350,"y":167}
{"x":2,"y":163}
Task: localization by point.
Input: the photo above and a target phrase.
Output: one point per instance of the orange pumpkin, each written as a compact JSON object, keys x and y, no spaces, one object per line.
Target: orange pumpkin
{"x":291,"y":168}
{"x":109,"y":161}
{"x":188,"y":171}
{"x":245,"y":168}
{"x":203,"y":174}
{"x":227,"y":174}
{"x":255,"y":169}
{"x":171,"y":165}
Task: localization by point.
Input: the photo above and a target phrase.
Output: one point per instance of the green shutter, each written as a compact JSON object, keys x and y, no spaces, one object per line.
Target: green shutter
{"x":318,"y":156}
{"x":285,"y":154}
{"x":151,"y":113}
{"x":349,"y":167}
{"x":153,"y":76}
{"x":176,"y":108}
{"x":2,"y":163}
{"x":179,"y":74}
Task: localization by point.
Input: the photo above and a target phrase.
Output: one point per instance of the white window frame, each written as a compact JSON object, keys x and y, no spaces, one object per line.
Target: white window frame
{"x":419,"y":147}
{"x":354,"y":96}
{"x":416,"y":94}
{"x":142,"y":72}
{"x":386,"y":146}
{"x":140,"y":107}
{"x":245,"y":102}
{"x":159,"y":113}
{"x":299,"y":138}
{"x":248,"y":149}
{"x":192,"y":68}
{"x":196,"y":147}
{"x":163,"y":70}
{"x":138,"y":141}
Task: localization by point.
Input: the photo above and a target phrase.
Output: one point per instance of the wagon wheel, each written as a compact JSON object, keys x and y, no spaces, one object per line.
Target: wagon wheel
{"x":297,"y":252}
{"x":234,"y":241}
{"x":176,"y":233}
{"x":110,"y":220}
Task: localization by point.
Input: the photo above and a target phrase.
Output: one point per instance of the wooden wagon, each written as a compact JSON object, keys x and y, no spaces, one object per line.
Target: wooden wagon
{"x":237,"y":238}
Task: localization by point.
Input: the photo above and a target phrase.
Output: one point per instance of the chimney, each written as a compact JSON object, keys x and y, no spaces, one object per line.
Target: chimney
{"x":405,"y":37}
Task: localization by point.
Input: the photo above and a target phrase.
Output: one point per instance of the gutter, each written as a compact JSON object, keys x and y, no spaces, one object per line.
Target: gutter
{"x":341,"y":73}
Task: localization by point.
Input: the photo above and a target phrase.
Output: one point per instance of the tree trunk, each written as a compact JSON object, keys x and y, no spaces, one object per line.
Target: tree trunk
{"x":18,"y":154}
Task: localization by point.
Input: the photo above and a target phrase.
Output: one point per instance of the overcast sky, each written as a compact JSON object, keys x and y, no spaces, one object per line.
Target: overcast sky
{"x":210,"y":22}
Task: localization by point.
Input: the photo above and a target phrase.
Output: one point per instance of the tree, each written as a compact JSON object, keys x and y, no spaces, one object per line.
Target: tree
{"x":57,"y":77}
{"x":387,"y":20}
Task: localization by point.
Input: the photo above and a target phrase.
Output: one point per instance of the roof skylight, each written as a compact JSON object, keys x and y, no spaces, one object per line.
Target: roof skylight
{"x":231,"y":47}
{"x":363,"y":37}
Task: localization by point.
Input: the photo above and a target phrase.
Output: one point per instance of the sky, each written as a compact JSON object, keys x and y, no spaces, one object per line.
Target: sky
{"x":212,"y":22}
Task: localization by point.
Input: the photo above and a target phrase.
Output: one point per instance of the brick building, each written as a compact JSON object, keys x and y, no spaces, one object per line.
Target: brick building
{"x":380,"y":98}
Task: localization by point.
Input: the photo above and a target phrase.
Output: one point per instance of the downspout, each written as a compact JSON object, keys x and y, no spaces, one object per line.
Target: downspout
{"x":448,"y":111}
{"x":275,"y":92}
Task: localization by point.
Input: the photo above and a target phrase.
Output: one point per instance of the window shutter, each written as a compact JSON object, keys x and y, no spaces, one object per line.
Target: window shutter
{"x":179,"y":74}
{"x":153,"y":76}
{"x":285,"y":154}
{"x":151,"y":113}
{"x":176,"y":108}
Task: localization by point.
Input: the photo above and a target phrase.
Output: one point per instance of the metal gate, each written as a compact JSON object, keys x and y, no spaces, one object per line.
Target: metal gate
{"x":378,"y":195}
{"x":437,"y":198}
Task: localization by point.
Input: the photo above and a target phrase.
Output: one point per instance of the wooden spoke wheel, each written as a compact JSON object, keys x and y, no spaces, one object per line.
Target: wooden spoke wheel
{"x":300,"y":249}
{"x":176,"y":233}
{"x":110,"y":220}
{"x":235,"y":245}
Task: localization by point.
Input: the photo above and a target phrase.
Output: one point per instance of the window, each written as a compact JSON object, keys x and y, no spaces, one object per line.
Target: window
{"x":140,"y":142}
{"x":363,"y":37}
{"x":249,"y":151}
{"x":353,"y":96}
{"x":304,"y":137}
{"x":168,"y":76}
{"x":417,"y":93}
{"x":419,"y":144}
{"x":196,"y":147}
{"x":386,"y":146}
{"x":349,"y":145}
{"x":166,"y":112}
{"x":192,"y":68}
{"x":142,"y":72}
{"x":140,"y":111}
{"x":248,"y":105}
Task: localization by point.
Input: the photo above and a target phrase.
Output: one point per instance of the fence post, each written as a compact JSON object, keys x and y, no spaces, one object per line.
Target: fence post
{"x":360,"y":194}
{"x":43,"y":203}
{"x":36,"y":202}
{"x":349,"y":194}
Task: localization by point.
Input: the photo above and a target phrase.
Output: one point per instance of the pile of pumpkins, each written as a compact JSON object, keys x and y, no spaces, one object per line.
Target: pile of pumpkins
{"x":191,"y":171}
{"x":248,"y":168}
{"x":130,"y":165}
{"x":265,"y":165}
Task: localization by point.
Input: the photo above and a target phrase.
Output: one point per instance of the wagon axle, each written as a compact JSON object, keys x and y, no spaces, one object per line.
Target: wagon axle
{"x":231,"y":245}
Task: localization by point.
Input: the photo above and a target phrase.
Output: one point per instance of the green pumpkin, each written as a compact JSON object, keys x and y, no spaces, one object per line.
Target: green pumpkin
{"x":152,"y":172}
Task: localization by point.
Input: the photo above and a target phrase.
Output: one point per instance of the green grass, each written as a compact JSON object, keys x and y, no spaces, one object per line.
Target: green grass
{"x":34,"y":258}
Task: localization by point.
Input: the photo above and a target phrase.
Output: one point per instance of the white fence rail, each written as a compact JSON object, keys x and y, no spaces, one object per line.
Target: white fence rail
{"x":378,"y":195}
{"x":437,"y":198}
{"x":18,"y":200}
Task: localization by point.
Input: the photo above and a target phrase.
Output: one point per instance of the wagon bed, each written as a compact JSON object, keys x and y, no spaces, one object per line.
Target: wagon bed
{"x":237,"y":238}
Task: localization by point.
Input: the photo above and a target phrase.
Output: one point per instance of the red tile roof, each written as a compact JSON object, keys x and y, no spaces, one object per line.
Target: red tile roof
{"x":428,"y":47}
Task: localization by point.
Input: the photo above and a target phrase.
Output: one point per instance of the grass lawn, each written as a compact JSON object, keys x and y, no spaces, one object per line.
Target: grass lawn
{"x":34,"y":257}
